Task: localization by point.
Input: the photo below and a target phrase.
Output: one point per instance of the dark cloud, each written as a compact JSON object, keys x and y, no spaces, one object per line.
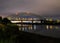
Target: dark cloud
{"x":36,"y":6}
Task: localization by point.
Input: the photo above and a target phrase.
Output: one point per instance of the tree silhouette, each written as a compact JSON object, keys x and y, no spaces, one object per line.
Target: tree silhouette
{"x":6,"y":21}
{"x":0,"y":19}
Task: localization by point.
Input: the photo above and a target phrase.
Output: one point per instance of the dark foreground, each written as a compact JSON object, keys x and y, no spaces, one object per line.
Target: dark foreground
{"x":25,"y":37}
{"x":9,"y":33}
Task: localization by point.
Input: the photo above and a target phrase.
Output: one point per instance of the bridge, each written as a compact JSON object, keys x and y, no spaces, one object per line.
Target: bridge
{"x":25,"y":25}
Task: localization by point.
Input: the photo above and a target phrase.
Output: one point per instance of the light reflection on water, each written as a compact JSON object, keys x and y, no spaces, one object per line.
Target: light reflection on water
{"x":49,"y":30}
{"x":25,"y":27}
{"x":52,"y":27}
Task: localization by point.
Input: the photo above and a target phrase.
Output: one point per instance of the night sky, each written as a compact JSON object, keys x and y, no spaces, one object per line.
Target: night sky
{"x":35,"y":6}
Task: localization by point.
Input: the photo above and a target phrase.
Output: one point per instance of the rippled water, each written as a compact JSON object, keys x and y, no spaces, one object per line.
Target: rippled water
{"x":48,"y":30}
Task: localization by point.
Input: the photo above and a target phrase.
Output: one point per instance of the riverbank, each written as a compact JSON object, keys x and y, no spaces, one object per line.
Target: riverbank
{"x":25,"y":37}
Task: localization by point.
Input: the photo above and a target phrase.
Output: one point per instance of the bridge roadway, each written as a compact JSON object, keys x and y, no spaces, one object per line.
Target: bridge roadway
{"x":27,"y":22}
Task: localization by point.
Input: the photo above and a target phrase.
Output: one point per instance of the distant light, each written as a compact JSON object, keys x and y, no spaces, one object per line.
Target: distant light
{"x":47,"y":19}
{"x":17,"y":13}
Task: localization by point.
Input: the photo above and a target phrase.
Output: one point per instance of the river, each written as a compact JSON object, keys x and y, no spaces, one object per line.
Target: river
{"x":47,"y":30}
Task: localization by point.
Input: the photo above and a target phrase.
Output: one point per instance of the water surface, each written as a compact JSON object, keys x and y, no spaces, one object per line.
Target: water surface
{"x":47,"y":30}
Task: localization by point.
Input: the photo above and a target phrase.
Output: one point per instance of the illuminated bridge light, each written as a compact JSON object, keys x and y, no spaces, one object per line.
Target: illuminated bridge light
{"x":36,"y":21}
{"x":16,"y":21}
{"x":27,"y":21}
